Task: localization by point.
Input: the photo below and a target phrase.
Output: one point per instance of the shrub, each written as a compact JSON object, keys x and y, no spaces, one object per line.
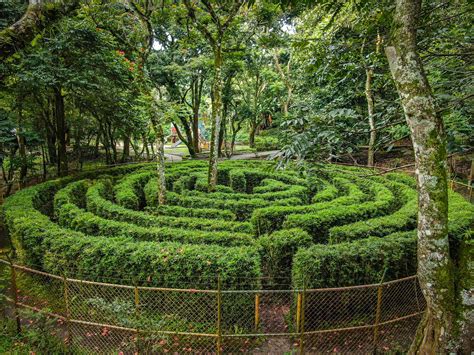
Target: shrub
{"x":269,"y":219}
{"x":277,"y":251}
{"x":238,"y":182}
{"x":129,"y":191}
{"x":97,"y":204}
{"x":317,"y":224}
{"x":266,"y":143}
{"x":360,"y":262}
{"x":402,"y":220}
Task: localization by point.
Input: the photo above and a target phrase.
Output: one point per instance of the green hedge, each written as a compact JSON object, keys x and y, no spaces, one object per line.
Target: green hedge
{"x":97,"y":204}
{"x":238,"y":182}
{"x":360,"y":262}
{"x":75,"y":218}
{"x":270,"y":185}
{"x":41,"y":242}
{"x":269,"y":219}
{"x":317,"y":224}
{"x":241,"y":208}
{"x":129,"y":191}
{"x":277,"y":251}
{"x":403,"y":219}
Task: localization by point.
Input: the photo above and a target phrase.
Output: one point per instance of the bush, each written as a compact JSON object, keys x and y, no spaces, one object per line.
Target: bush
{"x":266,"y":143}
{"x":403,"y":219}
{"x":269,"y":219}
{"x":238,"y":182}
{"x":360,"y":262}
{"x":277,"y":251}
{"x":129,"y":191}
{"x":317,"y":224}
{"x":97,"y":204}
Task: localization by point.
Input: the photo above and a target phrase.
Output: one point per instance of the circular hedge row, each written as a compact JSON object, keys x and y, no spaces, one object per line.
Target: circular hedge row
{"x":260,"y":227}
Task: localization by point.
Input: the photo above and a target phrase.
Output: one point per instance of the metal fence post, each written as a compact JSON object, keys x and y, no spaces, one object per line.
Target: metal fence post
{"x":219,"y":315}
{"x":15,"y":297}
{"x":377,"y":314}
{"x":257,"y":311}
{"x":303,"y":299}
{"x":68,"y":310}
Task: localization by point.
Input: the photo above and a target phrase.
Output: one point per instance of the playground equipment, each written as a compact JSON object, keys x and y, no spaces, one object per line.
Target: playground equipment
{"x":203,"y":137}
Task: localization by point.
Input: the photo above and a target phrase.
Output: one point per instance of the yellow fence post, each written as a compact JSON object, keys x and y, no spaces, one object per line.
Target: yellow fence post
{"x":298,"y":311}
{"x":137,"y":315}
{"x":219,"y":315}
{"x":68,"y":310}
{"x":377,"y":315}
{"x":15,"y":297}
{"x":257,"y":311}
{"x":302,"y":306}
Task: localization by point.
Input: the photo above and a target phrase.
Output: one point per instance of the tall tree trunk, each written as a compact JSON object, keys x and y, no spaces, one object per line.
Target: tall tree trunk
{"x":21,"y":148}
{"x":252,"y":133}
{"x":60,"y":131}
{"x":160,"y":148}
{"x":126,"y":148}
{"x":145,"y":145}
{"x":442,"y":324}
{"x":216,"y":116}
{"x":370,"y":109}
{"x":195,"y":128}
{"x":97,"y":145}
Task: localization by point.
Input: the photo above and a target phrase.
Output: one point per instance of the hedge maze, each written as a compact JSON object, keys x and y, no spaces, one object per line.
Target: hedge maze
{"x":261,"y":227}
{"x":334,"y":228}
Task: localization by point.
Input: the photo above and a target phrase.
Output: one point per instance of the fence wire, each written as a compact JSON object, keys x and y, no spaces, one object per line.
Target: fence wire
{"x":96,"y":317}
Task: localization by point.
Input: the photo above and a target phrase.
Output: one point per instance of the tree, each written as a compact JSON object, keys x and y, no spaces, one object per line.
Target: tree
{"x":38,"y":15}
{"x":443,"y":324}
{"x":201,"y":14}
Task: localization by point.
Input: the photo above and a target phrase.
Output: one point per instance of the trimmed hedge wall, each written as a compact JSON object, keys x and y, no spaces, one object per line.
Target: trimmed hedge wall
{"x":360,"y":262}
{"x":277,"y":251}
{"x":97,"y":204}
{"x":258,"y":222}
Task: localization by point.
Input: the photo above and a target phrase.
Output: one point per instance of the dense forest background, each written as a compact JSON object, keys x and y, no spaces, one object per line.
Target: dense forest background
{"x":101,"y":81}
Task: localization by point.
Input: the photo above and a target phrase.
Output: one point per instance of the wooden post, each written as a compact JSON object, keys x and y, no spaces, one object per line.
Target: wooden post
{"x":377,"y":315}
{"x":219,"y":315}
{"x":452,"y":184}
{"x":303,"y":299}
{"x":15,"y":297}
{"x":68,"y":310}
{"x":257,"y":311}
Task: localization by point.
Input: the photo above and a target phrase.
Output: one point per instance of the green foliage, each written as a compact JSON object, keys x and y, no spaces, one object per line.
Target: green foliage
{"x":361,"y":262}
{"x":264,"y":143}
{"x":277,"y":251}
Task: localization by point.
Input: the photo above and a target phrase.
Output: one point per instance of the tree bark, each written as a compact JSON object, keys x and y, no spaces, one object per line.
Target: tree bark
{"x":370,"y":109}
{"x":38,"y":15}
{"x":216,"y":116}
{"x":160,"y":149}
{"x":60,"y":117}
{"x":252,"y":132}
{"x":126,"y":148}
{"x":440,"y":328}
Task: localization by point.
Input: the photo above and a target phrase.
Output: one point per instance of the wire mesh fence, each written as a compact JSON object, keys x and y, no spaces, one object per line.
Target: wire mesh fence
{"x":98,"y":317}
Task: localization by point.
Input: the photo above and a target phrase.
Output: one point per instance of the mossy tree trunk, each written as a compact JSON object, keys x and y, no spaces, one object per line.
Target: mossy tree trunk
{"x":38,"y":15}
{"x":61,"y":131}
{"x":369,"y":73}
{"x":160,"y":166}
{"x":216,"y":116}
{"x":443,"y":322}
